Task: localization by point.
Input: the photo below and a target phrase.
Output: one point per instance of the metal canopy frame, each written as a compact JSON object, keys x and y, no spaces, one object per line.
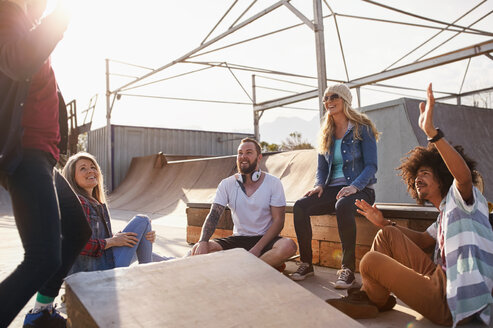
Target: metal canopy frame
{"x":316,"y":25}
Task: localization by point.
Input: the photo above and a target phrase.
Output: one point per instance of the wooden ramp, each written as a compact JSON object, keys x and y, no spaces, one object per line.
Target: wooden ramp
{"x":224,"y":289}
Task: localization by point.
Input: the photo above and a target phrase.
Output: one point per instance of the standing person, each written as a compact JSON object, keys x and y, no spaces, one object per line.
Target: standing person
{"x":257,"y":204}
{"x":104,"y":250}
{"x":458,"y":284}
{"x":33,"y":132}
{"x":347,"y":163}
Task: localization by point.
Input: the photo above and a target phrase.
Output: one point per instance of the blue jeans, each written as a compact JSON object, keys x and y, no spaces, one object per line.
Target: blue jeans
{"x":125,"y":255}
{"x":45,"y":210}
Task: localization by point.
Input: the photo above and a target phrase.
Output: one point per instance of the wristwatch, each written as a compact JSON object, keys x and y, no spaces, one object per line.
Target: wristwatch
{"x":437,"y":137}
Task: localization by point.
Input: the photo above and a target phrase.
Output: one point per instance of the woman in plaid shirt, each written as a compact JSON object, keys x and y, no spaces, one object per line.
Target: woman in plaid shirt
{"x":105,"y":250}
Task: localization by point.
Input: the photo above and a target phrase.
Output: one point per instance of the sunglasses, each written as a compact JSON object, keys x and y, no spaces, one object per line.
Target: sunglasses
{"x":332,"y":97}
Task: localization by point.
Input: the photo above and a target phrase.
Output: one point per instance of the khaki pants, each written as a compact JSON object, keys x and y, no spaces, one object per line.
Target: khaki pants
{"x":396,"y":264}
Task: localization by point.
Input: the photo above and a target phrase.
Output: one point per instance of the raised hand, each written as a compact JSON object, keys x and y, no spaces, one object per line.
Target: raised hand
{"x":426,"y":114}
{"x":372,"y":213}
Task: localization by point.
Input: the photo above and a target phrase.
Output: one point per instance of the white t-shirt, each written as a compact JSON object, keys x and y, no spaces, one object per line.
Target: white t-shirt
{"x":251,"y":215}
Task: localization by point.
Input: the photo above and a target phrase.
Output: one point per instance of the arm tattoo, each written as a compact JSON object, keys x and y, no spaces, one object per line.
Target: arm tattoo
{"x":210,"y":222}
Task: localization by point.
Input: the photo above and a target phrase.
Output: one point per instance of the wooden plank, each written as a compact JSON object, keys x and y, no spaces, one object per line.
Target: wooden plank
{"x":196,"y":217}
{"x":78,"y":315}
{"x":331,"y":254}
{"x":193,"y":234}
{"x":315,"y":250}
{"x":225,"y":289}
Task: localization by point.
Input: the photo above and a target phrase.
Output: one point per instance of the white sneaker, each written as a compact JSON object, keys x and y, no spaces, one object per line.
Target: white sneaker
{"x":345,"y":279}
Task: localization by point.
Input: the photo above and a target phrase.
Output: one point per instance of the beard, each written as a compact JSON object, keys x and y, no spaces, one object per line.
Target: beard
{"x":247,"y":170}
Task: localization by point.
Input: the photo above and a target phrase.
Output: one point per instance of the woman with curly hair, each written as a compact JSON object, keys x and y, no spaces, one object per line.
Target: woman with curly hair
{"x":347,"y":163}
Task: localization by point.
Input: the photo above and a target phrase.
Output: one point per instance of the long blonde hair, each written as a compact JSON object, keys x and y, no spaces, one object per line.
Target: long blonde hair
{"x":326,"y":132}
{"x":68,"y":172}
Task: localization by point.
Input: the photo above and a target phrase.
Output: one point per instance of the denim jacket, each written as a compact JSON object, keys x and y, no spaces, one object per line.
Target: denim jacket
{"x":93,"y":256}
{"x":359,"y":159}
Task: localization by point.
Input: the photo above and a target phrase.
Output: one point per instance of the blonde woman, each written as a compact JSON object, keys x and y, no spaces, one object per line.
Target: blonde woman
{"x":105,"y":250}
{"x":347,"y":163}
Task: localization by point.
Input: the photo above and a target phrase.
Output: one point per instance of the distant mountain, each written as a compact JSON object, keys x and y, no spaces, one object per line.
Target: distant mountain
{"x":278,"y":130}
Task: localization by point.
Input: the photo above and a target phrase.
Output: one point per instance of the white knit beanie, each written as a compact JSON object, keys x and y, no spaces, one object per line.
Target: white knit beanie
{"x":342,"y":90}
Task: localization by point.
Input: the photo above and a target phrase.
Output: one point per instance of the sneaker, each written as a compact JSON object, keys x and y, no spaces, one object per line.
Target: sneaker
{"x":345,"y":279}
{"x":357,"y":305}
{"x":389,"y":305}
{"x":45,"y":318}
{"x":304,"y":270}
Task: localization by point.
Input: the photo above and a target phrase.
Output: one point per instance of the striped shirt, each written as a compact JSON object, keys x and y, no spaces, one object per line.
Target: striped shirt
{"x":468,"y":254}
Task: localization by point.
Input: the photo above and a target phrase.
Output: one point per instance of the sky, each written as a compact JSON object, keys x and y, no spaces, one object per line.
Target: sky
{"x":153,"y":33}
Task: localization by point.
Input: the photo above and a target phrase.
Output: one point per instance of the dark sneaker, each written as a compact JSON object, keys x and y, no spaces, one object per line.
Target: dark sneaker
{"x":389,"y":305}
{"x":46,"y":318}
{"x":357,"y":305}
{"x":304,"y":270}
{"x":391,"y":301}
{"x":345,"y":279}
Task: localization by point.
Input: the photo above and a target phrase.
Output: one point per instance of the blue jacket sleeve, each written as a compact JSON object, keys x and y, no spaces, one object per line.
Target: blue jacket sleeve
{"x":322,"y":170}
{"x":370,"y":165}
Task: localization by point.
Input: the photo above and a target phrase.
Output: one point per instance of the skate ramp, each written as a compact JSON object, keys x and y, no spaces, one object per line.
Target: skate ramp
{"x":155,"y":186}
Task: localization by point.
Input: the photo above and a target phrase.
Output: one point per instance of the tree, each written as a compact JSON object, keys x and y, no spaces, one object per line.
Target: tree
{"x":267,"y":147}
{"x":294,"y":142}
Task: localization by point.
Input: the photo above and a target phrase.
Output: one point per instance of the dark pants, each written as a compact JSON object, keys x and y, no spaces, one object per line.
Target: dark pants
{"x":345,"y":211}
{"x":45,"y":209}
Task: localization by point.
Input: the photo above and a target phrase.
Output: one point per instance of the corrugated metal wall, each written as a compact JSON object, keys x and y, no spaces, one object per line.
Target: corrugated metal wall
{"x":131,"y":141}
{"x":396,"y":139}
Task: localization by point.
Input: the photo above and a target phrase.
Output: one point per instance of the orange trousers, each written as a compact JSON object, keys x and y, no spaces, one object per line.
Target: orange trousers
{"x":396,"y":264}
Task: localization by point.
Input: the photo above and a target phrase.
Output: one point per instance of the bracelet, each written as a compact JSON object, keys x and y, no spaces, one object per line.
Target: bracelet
{"x":437,"y":137}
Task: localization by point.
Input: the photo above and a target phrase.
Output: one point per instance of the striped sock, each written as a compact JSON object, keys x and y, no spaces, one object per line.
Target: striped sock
{"x":43,"y":302}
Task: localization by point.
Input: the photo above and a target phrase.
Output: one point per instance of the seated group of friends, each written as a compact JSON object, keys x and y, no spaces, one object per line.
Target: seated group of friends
{"x":454,"y":286}
{"x":60,"y":237}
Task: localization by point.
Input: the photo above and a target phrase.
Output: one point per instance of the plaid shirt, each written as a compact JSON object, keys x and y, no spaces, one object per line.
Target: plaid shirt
{"x":98,"y":218}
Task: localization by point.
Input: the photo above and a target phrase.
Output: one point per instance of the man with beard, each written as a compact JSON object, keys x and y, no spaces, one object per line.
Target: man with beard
{"x":457,"y":285}
{"x":257,"y":204}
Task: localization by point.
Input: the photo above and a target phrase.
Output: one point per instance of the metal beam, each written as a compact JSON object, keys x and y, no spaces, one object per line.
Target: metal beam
{"x":465,"y":94}
{"x":320,"y":50}
{"x":206,"y":44}
{"x":300,"y":15}
{"x":109,"y":162}
{"x":464,"y":53}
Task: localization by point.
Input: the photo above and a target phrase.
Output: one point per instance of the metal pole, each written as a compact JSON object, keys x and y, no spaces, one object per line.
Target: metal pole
{"x":256,"y":116}
{"x":358,"y":94}
{"x":320,"y":48}
{"x":109,"y":173}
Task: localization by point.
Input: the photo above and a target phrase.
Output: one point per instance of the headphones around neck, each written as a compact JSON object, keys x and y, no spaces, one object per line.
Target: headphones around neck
{"x":255,"y":175}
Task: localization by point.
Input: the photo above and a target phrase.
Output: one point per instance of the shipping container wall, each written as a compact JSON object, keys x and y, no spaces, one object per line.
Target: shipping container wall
{"x":129,"y":142}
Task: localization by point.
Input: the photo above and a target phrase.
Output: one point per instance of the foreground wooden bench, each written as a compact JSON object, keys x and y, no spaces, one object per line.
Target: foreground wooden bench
{"x":224,"y":289}
{"x":326,"y":244}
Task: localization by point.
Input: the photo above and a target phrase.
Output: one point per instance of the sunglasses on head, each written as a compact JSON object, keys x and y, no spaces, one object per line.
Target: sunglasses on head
{"x":332,"y":97}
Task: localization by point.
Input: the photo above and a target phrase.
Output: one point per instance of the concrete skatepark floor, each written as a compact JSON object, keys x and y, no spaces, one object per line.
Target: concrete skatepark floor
{"x":171,"y":242}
